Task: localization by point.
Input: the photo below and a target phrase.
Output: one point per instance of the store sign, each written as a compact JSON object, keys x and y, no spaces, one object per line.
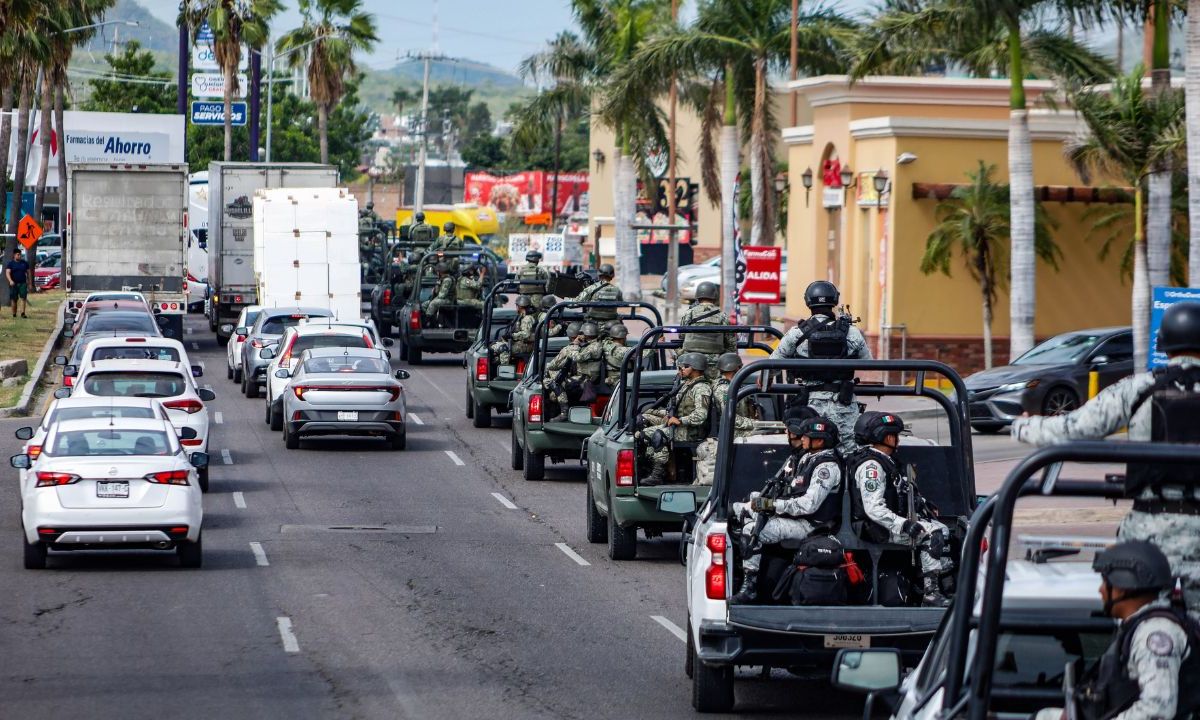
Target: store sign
{"x":205,"y":112}
{"x":763,"y":268}
{"x":550,"y":246}
{"x":100,"y":137}
{"x":212,"y":85}
{"x":1165,"y":297}
{"x":204,"y":57}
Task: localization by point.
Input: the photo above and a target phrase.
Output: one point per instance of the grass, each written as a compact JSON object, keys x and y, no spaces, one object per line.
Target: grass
{"x":25,"y":337}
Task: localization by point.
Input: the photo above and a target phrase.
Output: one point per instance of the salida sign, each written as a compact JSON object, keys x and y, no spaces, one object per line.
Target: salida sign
{"x":763,"y":266}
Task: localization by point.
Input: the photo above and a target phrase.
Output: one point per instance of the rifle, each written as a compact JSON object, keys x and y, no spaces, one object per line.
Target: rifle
{"x":910,"y":477}
{"x":772,"y":490}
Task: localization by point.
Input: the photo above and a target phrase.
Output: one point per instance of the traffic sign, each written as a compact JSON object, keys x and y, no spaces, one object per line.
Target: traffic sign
{"x":28,"y":231}
{"x":207,"y":112}
{"x":1165,"y":297}
{"x":763,"y":267}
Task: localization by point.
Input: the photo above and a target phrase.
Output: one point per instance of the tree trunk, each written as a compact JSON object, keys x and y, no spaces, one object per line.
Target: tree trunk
{"x":1192,"y":97}
{"x":761,"y":230}
{"x":1141,"y":287}
{"x":19,"y":165}
{"x":987,"y":330}
{"x":629,"y":275}
{"x":729,"y":170}
{"x":1158,"y":225}
{"x":6,"y":104}
{"x":59,"y":100}
{"x":1023,"y":264}
{"x":323,"y":131}
{"x":45,"y":111}
{"x":227,"y":96}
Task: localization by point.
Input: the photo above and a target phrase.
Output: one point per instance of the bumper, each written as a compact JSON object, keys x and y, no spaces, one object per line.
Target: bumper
{"x":389,"y":428}
{"x":559,"y":439}
{"x":494,"y":393}
{"x":998,"y":409}
{"x":438,"y":340}
{"x":641,"y":510}
{"x":120,"y":526}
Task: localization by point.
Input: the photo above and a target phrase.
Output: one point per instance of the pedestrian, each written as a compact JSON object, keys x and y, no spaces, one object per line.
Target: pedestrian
{"x":602,"y":290}
{"x":827,"y":336}
{"x":705,"y":312}
{"x":17,"y":274}
{"x":1158,"y":406}
{"x":683,"y":417}
{"x":533,"y":277}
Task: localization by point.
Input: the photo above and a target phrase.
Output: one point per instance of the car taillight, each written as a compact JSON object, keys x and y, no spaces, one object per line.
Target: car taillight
{"x":535,"y":408}
{"x":520,"y":367}
{"x":256,"y":343}
{"x":68,"y":381}
{"x":241,"y":338}
{"x":300,"y":390}
{"x":715,"y":576}
{"x":169,"y":477}
{"x":33,"y":451}
{"x":192,"y":442}
{"x":414,"y":320}
{"x":189,"y":406}
{"x":624,"y":468}
{"x":481,"y":368}
{"x":367,"y":341}
{"x":50,"y":479}
{"x":387,"y":297}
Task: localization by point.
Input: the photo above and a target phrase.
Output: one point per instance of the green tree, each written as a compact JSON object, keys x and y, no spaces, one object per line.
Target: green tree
{"x":16,"y":19}
{"x":477,"y":122}
{"x":401,"y":97}
{"x":112,"y":95}
{"x":485,"y":152}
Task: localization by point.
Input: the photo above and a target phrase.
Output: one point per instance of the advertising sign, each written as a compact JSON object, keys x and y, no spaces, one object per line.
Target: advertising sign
{"x":763,"y":266}
{"x":212,"y":85}
{"x":527,"y":193}
{"x":204,"y":57}
{"x":1165,"y":297}
{"x":213,"y":113}
{"x":551,"y":247}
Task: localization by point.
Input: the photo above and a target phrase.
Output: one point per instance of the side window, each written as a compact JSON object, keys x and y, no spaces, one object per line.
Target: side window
{"x":1116,"y":348}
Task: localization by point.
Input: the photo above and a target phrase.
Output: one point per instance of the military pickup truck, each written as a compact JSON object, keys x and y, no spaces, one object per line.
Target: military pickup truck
{"x":617,"y":503}
{"x":488,"y":383}
{"x":455,"y":326}
{"x":534,"y":436}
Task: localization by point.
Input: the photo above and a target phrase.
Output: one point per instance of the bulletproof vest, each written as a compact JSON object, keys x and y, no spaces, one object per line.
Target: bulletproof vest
{"x":828,"y":514}
{"x":895,"y":499}
{"x":1107,"y":690}
{"x":605,"y":291}
{"x":468,"y":289}
{"x":591,"y":368}
{"x":707,"y":343}
{"x":421,"y":233}
{"x":1174,"y":408}
{"x":828,"y":339}
{"x":531,"y":272}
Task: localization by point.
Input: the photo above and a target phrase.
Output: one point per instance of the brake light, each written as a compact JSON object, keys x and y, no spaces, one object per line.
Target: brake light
{"x":535,"y":408}
{"x":69,"y":381}
{"x":256,"y":343}
{"x":624,"y":468}
{"x":191,"y":407}
{"x":387,"y":297}
{"x":169,"y":477}
{"x":414,"y":320}
{"x":520,"y":367}
{"x":367,"y":340}
{"x":135,"y":339}
{"x":481,"y":368}
{"x":241,"y":338}
{"x":193,"y":442}
{"x":715,"y":585}
{"x":300,"y":390}
{"x":50,"y":479}
{"x":34,"y":451}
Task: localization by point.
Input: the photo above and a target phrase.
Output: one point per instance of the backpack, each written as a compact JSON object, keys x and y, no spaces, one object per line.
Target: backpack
{"x":828,"y":339}
{"x":1173,"y":413}
{"x":817,"y":575}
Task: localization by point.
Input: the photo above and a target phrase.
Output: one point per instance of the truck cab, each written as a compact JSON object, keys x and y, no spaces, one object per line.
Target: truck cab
{"x":453,"y":328}
{"x":489,"y":384}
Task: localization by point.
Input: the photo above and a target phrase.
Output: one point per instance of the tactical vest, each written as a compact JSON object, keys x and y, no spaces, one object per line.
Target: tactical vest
{"x":895,"y":498}
{"x":590,"y":368}
{"x":828,"y":515}
{"x":1174,"y":408}
{"x":532,"y":272}
{"x":603,"y":291}
{"x":421,"y":233}
{"x":706,"y":343}
{"x":1107,"y":690}
{"x":828,"y":339}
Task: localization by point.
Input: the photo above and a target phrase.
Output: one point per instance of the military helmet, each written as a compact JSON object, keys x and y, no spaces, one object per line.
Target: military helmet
{"x":442,"y":267}
{"x":420,"y":216}
{"x":817,"y":428}
{"x":523,"y":301}
{"x":1180,"y":329}
{"x":618,"y":331}
{"x":872,"y":427}
{"x":590,"y":330}
{"x":707,"y":291}
{"x":448,"y":226}
{"x":729,"y":362}
{"x":533,"y":256}
{"x":549,"y":301}
{"x":798,"y":412}
{"x":371,"y":205}
{"x":607,"y":271}
{"x":821,"y":293}
{"x":573,"y":328}
{"x":1136,"y":566}
{"x":694,"y":360}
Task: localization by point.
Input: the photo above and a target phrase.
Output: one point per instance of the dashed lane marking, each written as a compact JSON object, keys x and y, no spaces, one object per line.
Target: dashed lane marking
{"x":671,"y":627}
{"x":218,"y":417}
{"x":290,"y":643}
{"x":195,"y":346}
{"x":571,"y":553}
{"x":454,"y":456}
{"x":226,"y":457}
{"x":416,"y":418}
{"x":190,"y":330}
{"x":260,"y":555}
{"x":239,"y":501}
{"x":504,"y":501}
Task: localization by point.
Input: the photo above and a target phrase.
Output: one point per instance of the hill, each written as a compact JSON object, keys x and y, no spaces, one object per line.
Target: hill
{"x":492,"y":85}
{"x":152,"y":33}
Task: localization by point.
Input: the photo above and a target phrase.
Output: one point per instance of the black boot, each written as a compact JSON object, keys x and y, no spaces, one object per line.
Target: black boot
{"x":933,"y":597}
{"x":748,"y":593}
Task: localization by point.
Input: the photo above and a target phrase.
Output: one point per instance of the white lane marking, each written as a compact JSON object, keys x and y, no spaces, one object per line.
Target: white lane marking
{"x":190,"y":330}
{"x":415,"y":418}
{"x":218,"y":417}
{"x":195,"y":346}
{"x":260,"y":555}
{"x":239,"y":501}
{"x":671,"y":627}
{"x":457,"y":460}
{"x":226,"y":457}
{"x":504,"y":501}
{"x":290,"y":643}
{"x":571,"y":553}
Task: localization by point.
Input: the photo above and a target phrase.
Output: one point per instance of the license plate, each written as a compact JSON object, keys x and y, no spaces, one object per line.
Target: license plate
{"x":848,"y":641}
{"x":347,"y":415}
{"x":112,"y":489}
{"x":506,"y":372}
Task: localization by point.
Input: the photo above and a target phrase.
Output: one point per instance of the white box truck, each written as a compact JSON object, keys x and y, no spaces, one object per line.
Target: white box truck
{"x":231,"y":188}
{"x":306,"y":249}
{"x":127,"y":229}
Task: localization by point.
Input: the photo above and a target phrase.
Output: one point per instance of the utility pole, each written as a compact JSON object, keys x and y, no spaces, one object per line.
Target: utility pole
{"x":423,"y":130}
{"x":672,"y":237}
{"x":255,"y":97}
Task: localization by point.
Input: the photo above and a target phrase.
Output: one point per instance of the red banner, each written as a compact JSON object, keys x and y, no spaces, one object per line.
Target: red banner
{"x":527,"y":193}
{"x":763,"y":267}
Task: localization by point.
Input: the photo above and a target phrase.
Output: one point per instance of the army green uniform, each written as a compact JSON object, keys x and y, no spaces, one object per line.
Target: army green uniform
{"x":447,"y":242}
{"x":711,"y":345}
{"x":443,"y":295}
{"x":565,"y":359}
{"x":695,"y":397}
{"x":534,"y":273}
{"x":469,"y":290}
{"x":521,"y":341}
{"x":422,"y":233}
{"x":597,"y":291}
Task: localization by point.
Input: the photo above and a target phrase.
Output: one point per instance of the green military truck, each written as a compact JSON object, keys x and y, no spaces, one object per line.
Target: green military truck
{"x":617,"y":503}
{"x":488,"y":383}
{"x":455,"y":327}
{"x":534,"y":436}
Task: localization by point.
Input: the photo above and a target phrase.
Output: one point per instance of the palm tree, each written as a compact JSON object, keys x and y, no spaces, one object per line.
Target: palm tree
{"x":334,"y":29}
{"x":1158,"y":225}
{"x":233,"y":23}
{"x":975,"y":222}
{"x":1192,"y":95}
{"x":1130,"y":132}
{"x":15,"y":18}
{"x":402,"y":96}
{"x":990,"y":38}
{"x":30,"y":50}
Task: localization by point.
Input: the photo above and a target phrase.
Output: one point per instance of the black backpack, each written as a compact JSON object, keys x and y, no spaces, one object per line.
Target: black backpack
{"x":1173,"y":413}
{"x":828,"y":339}
{"x":817,"y":575}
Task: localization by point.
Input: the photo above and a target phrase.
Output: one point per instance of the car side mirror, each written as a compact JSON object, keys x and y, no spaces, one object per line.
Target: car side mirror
{"x":241,"y":331}
{"x":20,"y":462}
{"x":60,"y":359}
{"x":678,"y":502}
{"x":206,"y":395}
{"x":198,"y":459}
{"x":867,"y":671}
{"x":1101,"y":360}
{"x":187,"y":433}
{"x":388,"y":342}
{"x":580,"y":415}
{"x":197,"y":371}
{"x":62,"y":393}
{"x":403,"y":374}
{"x":24,"y":433}
{"x":266,"y":353}
{"x":70,"y":370}
{"x":226,"y":328}
{"x":283,"y":374}
{"x":68,"y":334}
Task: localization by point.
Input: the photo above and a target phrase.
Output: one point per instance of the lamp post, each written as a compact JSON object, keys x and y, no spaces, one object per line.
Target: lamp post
{"x":271,"y":78}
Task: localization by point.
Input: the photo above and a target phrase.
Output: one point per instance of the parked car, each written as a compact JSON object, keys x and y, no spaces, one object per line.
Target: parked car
{"x":267,"y":330}
{"x":48,"y":274}
{"x":233,"y":348}
{"x":711,"y":272}
{"x":1050,"y":379}
{"x":287,"y":354}
{"x":687,"y":271}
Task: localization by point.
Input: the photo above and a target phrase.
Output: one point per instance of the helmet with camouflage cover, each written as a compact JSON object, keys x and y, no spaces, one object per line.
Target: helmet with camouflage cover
{"x":573,"y":328}
{"x":549,"y":301}
{"x":590,"y":330}
{"x":694,"y":360}
{"x":523,"y":301}
{"x":707,"y":291}
{"x":618,"y":331}
{"x":729,"y":362}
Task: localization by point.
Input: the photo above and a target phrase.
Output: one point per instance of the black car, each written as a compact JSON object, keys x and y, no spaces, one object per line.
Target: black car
{"x":1050,"y":379}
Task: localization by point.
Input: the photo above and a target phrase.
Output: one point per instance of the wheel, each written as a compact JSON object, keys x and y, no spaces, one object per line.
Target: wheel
{"x":518,"y":458}
{"x":535,"y":465}
{"x":275,"y":418}
{"x":237,"y":376}
{"x":400,"y":441}
{"x":228,"y":372}
{"x":202,"y":477}
{"x":622,"y":542}
{"x":403,"y":352}
{"x":470,"y":404}
{"x":481,"y":415}
{"x":1059,"y":400}
{"x":414,"y":356}
{"x":712,"y":687}
{"x":245,"y":390}
{"x":988,"y":428}
{"x":267,"y":412}
{"x":191,"y":554}
{"x":35,"y":555}
{"x":222,"y":340}
{"x":597,"y":530}
{"x":251,"y":388}
{"x":291,"y":441}
{"x":689,"y":657}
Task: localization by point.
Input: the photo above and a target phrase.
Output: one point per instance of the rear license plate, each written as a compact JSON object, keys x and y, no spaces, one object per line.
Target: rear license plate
{"x":847,"y":641}
{"x":112,"y":489}
{"x":347,"y":416}
{"x":506,"y":372}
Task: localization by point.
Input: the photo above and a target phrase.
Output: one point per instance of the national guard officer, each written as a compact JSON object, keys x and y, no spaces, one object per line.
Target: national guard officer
{"x":827,"y":336}
{"x":1162,"y":406}
{"x":447,"y":240}
{"x":804,"y":497}
{"x":685,"y":416}
{"x":420,"y":232}
{"x":705,"y":312}
{"x":443,"y":293}
{"x":470,"y":286}
{"x":516,"y":337}
{"x":534,"y":276}
{"x":602,"y":289}
{"x":562,"y":367}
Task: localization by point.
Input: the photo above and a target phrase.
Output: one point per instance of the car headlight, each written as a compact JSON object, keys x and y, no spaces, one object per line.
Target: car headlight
{"x":1013,"y":387}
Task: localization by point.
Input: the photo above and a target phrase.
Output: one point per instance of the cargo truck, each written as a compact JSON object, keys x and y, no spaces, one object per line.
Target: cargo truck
{"x":127,"y":229}
{"x":231,"y":188}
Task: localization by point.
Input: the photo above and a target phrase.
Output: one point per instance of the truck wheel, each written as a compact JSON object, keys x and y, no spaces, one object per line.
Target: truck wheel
{"x":470,"y":403}
{"x":202,"y":477}
{"x":212,"y":319}
{"x":35,"y":554}
{"x":481,"y":415}
{"x":622,"y":542}
{"x":535,"y":466}
{"x":276,"y":418}
{"x":712,"y":687}
{"x":518,"y":458}
{"x":414,"y":355}
{"x":597,"y":530}
{"x":403,"y":352}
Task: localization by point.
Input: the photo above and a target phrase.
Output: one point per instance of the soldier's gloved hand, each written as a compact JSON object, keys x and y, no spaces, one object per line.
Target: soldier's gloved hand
{"x":762,"y":504}
{"x":912,"y":529}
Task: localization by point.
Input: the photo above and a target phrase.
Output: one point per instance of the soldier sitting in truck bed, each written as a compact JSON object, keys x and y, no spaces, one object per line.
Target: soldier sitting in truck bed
{"x":443,"y":294}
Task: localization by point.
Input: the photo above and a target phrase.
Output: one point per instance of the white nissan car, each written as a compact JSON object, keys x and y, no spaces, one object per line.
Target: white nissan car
{"x":233,"y":348}
{"x":111,"y":483}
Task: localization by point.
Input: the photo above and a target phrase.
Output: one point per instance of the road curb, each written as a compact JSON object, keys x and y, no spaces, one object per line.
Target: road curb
{"x":21,"y":409}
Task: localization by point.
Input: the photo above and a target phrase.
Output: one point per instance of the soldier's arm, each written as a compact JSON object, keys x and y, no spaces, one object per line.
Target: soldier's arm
{"x":858,"y":344}
{"x":787,"y":346}
{"x":1155,"y":655}
{"x":1100,"y":417}
{"x":743,"y":423}
{"x":591,"y":351}
{"x":557,"y":363}
{"x":525,"y":330}
{"x":825,"y":479}
{"x":701,"y":397}
{"x":871,"y":480}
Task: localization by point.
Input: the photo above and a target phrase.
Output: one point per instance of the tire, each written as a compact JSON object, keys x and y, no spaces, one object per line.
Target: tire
{"x":689,"y":659}
{"x":470,"y":404}
{"x":535,"y":466}
{"x":35,"y":554}
{"x":403,"y":352}
{"x":267,"y":412}
{"x":518,"y":458}
{"x":191,"y":554}
{"x":712,"y":687}
{"x":622,"y":542}
{"x":276,"y":418}
{"x":414,"y":356}
{"x":988,"y":428}
{"x":1059,"y":400}
{"x":245,"y":391}
{"x":251,"y":388}
{"x":222,"y":340}
{"x":597,"y":529}
{"x":400,"y":441}
{"x":228,"y":372}
{"x":202,"y":479}
{"x":237,"y":376}
{"x":291,"y":441}
{"x":481,"y":415}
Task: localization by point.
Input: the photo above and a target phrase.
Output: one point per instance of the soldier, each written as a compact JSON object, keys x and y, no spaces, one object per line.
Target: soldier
{"x":591,"y":355}
{"x":443,"y":293}
{"x":602,"y":289}
{"x":705,"y":312}
{"x":882,"y":496}
{"x":824,"y":336}
{"x":469,"y":286}
{"x":743,"y":423}
{"x":508,"y":344}
{"x":555,"y":328}
{"x":448,"y":240}
{"x":804,"y":497}
{"x":685,"y":416}
{"x":562,"y":367}
{"x":533,"y":277}
{"x":1160,"y":406}
{"x":420,"y":232}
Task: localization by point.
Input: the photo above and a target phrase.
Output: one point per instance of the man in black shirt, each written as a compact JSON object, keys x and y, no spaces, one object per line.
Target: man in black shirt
{"x":17,"y":274}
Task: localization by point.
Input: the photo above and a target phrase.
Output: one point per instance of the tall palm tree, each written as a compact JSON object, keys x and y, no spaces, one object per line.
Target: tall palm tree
{"x":15,"y":18}
{"x":1192,"y":95}
{"x":402,"y":96}
{"x":31,"y":49}
{"x":233,"y":23}
{"x":990,"y":38}
{"x":1129,"y":132}
{"x":1158,"y":225}
{"x":334,"y":30}
{"x":975,"y":222}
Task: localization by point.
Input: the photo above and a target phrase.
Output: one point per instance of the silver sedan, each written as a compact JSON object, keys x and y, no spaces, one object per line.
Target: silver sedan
{"x":343,"y":391}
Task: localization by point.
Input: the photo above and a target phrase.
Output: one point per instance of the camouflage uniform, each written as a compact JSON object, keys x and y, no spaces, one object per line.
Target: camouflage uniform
{"x":421,"y":232}
{"x":443,"y":295}
{"x":468,"y":290}
{"x":870,"y":478}
{"x":534,"y":273}
{"x":590,"y":360}
{"x":695,"y":397}
{"x":566,"y":358}
{"x":711,"y":345}
{"x":448,"y":242}
{"x":1177,"y":535}
{"x":597,"y":291}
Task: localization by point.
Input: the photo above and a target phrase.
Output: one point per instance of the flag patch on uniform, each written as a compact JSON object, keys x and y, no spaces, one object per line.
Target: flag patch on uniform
{"x":872,"y":473}
{"x":1160,"y":643}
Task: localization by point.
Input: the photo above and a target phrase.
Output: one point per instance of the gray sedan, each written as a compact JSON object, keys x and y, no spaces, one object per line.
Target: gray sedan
{"x":267,"y":330}
{"x":343,"y":391}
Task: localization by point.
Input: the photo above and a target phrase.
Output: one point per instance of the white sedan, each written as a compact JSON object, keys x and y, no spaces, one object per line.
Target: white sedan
{"x":100,"y":484}
{"x":233,"y":348}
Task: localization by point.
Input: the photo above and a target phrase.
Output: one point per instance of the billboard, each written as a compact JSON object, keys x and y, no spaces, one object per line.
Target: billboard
{"x":763,"y":267}
{"x":1163,"y":298}
{"x":213,"y":113}
{"x":527,"y":193}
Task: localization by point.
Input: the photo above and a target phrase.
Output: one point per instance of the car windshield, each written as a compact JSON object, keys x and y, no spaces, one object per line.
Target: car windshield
{"x":133,"y":383}
{"x":99,"y":411}
{"x":1059,"y":350}
{"x":106,"y":441}
{"x":345,"y":364}
{"x":136,"y":352}
{"x":308,"y":342}
{"x":120,"y":322}
{"x":276,"y":325}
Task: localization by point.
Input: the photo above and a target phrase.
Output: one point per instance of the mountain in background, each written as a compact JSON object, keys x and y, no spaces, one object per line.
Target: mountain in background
{"x":152,"y":33}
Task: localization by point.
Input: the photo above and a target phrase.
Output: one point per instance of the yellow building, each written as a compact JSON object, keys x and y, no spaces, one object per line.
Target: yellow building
{"x":922,"y":133}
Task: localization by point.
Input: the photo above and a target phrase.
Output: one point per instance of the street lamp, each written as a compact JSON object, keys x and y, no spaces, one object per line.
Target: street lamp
{"x":781,"y":182}
{"x":127,"y":23}
{"x":271,"y":78}
{"x":806,"y":178}
{"x":847,"y":177}
{"x":880,"y":183}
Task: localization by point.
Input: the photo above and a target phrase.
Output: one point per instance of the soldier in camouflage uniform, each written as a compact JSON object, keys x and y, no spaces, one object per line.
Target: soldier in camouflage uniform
{"x":469,"y":287}
{"x":519,"y":333}
{"x":743,"y":423}
{"x":591,"y":355}
{"x":1167,"y":515}
{"x":555,"y":328}
{"x":562,"y":365}
{"x":420,"y":231}
{"x":602,"y":289}
{"x":687,"y":422}
{"x":533,"y":272}
{"x":443,"y":293}
{"x":447,"y":240}
{"x":705,"y":312}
